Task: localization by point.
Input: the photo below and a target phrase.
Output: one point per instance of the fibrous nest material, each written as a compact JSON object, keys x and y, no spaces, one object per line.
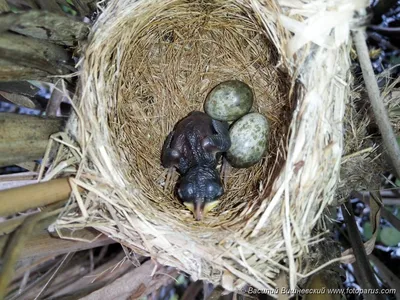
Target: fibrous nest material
{"x":364,"y":159}
{"x":149,"y":63}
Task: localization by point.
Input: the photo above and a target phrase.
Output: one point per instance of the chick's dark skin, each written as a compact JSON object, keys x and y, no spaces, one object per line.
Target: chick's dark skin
{"x":193,"y":147}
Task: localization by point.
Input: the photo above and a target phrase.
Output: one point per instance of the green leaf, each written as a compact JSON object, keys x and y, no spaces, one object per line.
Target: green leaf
{"x":181,"y":280}
{"x":390,"y":236}
{"x":69,"y":10}
{"x":367,"y":229}
{"x":397,"y":212}
{"x":395,"y":60}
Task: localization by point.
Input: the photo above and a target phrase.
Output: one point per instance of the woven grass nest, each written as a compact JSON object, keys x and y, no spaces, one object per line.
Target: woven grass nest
{"x":147,"y":65}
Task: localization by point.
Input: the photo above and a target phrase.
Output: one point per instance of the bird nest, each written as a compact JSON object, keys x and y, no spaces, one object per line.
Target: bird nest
{"x":147,"y":65}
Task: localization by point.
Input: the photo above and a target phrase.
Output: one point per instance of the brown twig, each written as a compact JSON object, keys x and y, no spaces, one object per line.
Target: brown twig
{"x":281,"y":284}
{"x":66,"y":259}
{"x":44,"y":244}
{"x":216,"y":293}
{"x":101,"y":255}
{"x":94,"y":280}
{"x":387,"y":275}
{"x":57,"y":96}
{"x":378,"y":107}
{"x":34,"y":287}
{"x":384,"y":212}
{"x":367,"y":278}
{"x":193,"y":289}
{"x":135,"y":284}
{"x":389,"y":197}
{"x":378,"y":38}
{"x":33,"y":265}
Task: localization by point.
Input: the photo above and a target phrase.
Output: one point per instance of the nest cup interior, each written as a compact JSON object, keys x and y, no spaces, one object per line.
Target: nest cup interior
{"x":169,"y":62}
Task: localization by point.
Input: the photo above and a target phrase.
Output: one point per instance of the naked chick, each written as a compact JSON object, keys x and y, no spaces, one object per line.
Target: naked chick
{"x":193,"y":147}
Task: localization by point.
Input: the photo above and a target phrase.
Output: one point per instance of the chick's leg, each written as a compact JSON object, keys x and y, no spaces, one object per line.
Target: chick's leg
{"x":168,"y":180}
{"x":169,"y":157}
{"x":219,"y":142}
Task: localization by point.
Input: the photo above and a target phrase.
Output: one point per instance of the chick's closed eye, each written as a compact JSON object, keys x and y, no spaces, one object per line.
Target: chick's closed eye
{"x":186,"y":191}
{"x":214,"y":190}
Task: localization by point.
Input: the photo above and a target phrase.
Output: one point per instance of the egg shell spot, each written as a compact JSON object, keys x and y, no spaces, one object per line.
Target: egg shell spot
{"x":229,"y":100}
{"x":249,"y":137}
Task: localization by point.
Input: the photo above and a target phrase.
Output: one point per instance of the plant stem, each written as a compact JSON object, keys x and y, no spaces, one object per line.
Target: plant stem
{"x":367,"y":278}
{"x":380,"y":113}
{"x":385,"y":29}
{"x":34,"y":195}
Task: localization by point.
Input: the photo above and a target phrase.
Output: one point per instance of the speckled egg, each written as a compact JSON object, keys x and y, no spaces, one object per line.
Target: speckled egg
{"x":229,"y":100}
{"x":249,"y":137}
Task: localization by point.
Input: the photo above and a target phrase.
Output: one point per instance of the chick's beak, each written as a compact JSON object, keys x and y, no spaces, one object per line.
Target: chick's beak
{"x":198,"y":210}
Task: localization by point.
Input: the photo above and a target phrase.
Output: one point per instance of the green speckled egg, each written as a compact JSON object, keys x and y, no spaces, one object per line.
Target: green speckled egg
{"x":249,"y":137}
{"x":229,"y":100}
